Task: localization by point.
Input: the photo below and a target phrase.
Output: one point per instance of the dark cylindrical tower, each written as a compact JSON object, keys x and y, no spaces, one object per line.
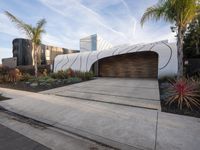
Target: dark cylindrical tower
{"x":22,"y":49}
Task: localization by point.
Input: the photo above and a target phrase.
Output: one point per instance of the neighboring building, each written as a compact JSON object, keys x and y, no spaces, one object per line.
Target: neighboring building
{"x":22,"y":50}
{"x":93,"y":43}
{"x":9,"y":62}
{"x":48,"y":53}
{"x":135,"y":61}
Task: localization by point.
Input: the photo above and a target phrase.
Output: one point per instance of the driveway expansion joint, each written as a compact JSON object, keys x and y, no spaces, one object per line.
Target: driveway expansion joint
{"x":87,"y":99}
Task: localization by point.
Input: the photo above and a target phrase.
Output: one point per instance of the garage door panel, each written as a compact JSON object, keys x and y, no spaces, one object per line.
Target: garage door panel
{"x":132,"y":65}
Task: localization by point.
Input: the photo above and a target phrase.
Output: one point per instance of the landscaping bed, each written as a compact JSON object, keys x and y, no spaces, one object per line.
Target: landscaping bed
{"x":41,"y":85}
{"x":173,"y":108}
{"x":23,"y":78}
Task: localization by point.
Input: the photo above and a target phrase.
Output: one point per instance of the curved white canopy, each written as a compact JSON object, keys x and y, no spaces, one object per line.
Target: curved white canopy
{"x":167,"y":61}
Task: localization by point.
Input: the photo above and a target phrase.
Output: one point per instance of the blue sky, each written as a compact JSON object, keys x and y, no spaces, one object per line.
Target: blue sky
{"x":117,"y":21}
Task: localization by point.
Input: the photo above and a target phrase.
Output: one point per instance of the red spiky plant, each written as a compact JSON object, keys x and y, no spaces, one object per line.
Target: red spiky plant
{"x":184,"y":92}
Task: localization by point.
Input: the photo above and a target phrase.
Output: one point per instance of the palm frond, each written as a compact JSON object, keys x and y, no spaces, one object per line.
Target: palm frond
{"x":158,"y":11}
{"x":38,"y":30}
{"x":20,"y":24}
{"x":41,"y":23}
{"x":180,"y":11}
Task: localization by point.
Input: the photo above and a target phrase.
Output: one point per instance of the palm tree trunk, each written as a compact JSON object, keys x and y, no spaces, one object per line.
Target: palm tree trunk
{"x":35,"y":60}
{"x":180,"y":51}
{"x":32,"y":53}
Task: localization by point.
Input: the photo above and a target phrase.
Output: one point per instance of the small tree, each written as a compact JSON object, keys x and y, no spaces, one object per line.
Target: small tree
{"x":33,"y":34}
{"x":180,"y":12}
{"x":191,"y":47}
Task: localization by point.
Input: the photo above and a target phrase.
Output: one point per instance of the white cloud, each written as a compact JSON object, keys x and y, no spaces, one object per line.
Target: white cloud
{"x":7,"y":27}
{"x":88,"y":20}
{"x":114,"y":20}
{"x":118,"y":26}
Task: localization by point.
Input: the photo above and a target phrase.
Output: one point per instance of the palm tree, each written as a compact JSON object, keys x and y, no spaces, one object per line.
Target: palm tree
{"x":180,"y":12}
{"x":32,"y":33}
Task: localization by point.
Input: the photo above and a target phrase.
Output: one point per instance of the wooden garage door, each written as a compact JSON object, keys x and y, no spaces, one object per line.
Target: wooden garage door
{"x":132,"y":65}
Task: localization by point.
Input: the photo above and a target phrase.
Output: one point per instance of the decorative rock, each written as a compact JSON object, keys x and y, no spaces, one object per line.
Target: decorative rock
{"x":34,"y":84}
{"x":43,"y":83}
{"x":27,"y":83}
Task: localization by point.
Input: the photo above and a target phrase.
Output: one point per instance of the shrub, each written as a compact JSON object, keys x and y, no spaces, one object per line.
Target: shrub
{"x":74,"y":80}
{"x":84,"y":75}
{"x":9,"y":74}
{"x":33,"y":79}
{"x":184,"y":93}
{"x":26,"y":77}
{"x":78,"y":74}
{"x":53,"y":75}
{"x":14,"y":75}
{"x":42,"y":68}
{"x":89,"y":75}
{"x":26,"y":69}
{"x":45,"y":80}
{"x":70,"y":73}
{"x":61,"y":75}
{"x":44,"y":73}
{"x":30,"y":69}
{"x":4,"y":71}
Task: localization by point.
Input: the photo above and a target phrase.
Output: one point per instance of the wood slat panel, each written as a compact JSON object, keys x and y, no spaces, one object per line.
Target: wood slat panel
{"x":132,"y":65}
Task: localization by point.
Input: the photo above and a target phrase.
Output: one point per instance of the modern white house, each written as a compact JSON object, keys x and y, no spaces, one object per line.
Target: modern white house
{"x":94,"y":43}
{"x":152,"y":60}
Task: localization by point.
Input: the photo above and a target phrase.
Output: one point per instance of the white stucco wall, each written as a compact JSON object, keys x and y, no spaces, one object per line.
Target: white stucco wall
{"x":167,"y":61}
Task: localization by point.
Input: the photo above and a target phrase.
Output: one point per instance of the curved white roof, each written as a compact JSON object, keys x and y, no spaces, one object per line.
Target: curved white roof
{"x":167,"y":61}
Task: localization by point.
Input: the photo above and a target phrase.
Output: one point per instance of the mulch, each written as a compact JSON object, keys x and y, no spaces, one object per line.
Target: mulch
{"x":24,"y":87}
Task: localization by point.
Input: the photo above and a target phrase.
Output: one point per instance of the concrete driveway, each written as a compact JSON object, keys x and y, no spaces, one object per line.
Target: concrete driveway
{"x":131,"y":92}
{"x":124,"y":121}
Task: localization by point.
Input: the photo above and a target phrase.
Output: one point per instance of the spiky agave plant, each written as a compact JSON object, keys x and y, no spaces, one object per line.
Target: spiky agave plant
{"x":184,"y":92}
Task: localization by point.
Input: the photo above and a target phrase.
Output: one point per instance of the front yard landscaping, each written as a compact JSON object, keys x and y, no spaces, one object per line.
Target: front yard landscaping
{"x":22,"y":80}
{"x":177,"y":96}
{"x":37,"y":85}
